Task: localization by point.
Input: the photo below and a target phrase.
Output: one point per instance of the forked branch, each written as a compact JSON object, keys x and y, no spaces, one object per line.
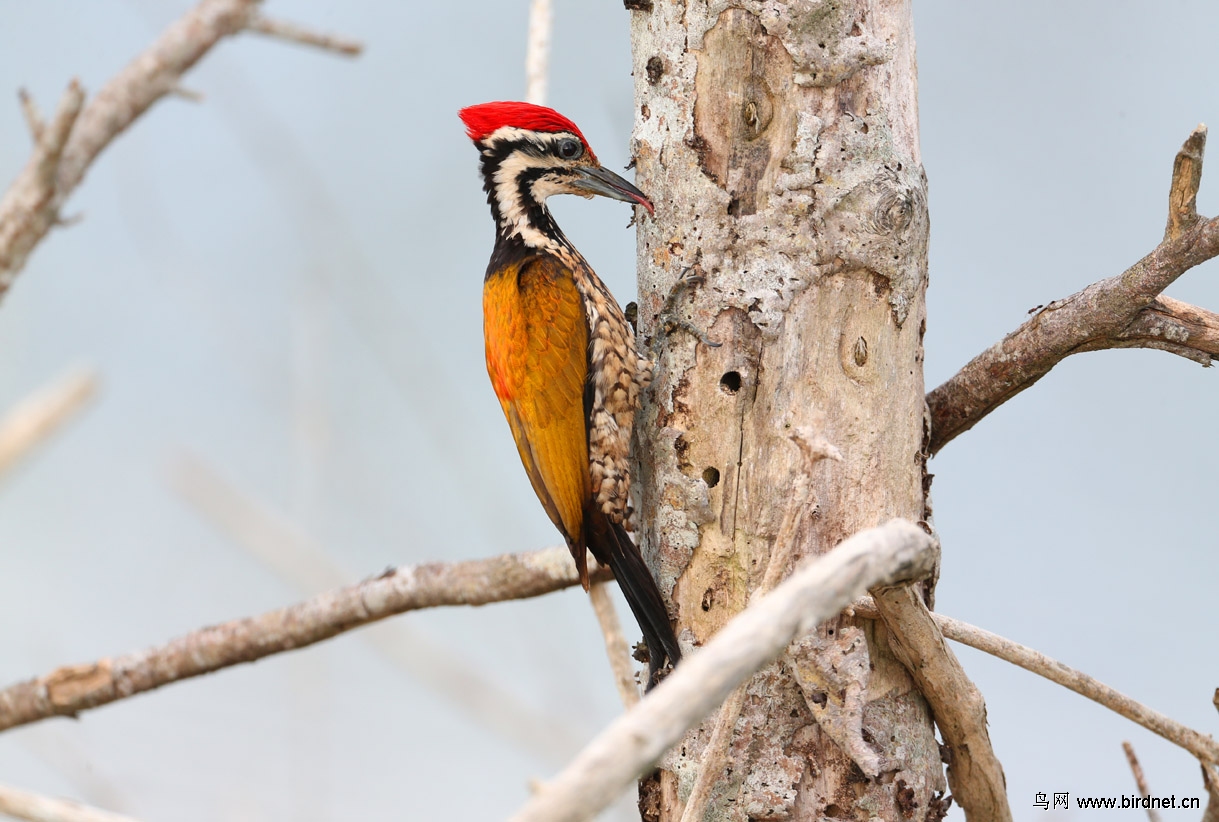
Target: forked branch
{"x":293,"y":33}
{"x":1121,"y":312}
{"x":66,"y":147}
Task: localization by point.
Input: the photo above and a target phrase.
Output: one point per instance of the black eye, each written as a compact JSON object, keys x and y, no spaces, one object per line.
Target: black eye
{"x":570,"y":149}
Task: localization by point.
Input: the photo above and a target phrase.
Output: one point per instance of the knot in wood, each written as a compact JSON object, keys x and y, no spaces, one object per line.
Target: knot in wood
{"x":894,"y":211}
{"x":861,"y":352}
{"x":758,"y":111}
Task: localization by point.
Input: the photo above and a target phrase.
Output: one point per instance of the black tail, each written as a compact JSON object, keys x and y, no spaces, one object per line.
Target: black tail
{"x":612,"y":546}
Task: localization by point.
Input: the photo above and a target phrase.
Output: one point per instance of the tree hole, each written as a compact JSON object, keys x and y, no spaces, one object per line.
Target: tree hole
{"x":731,"y":382}
{"x":711,"y":476}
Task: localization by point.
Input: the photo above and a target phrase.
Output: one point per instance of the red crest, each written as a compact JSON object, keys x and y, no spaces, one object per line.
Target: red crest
{"x":485,"y":118}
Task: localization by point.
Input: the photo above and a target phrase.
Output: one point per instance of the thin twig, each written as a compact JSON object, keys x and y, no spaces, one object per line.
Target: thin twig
{"x":53,"y":139}
{"x":71,"y":689}
{"x":1140,"y":781}
{"x":188,"y":94}
{"x":70,"y":143}
{"x":1118,"y":312}
{"x":616,"y":648}
{"x":537,"y":51}
{"x":293,"y":33}
{"x":33,"y":117}
{"x":29,"y":806}
{"x":29,"y":208}
{"x":301,"y":562}
{"x":816,"y":591}
{"x":36,"y":418}
{"x":1200,"y":745}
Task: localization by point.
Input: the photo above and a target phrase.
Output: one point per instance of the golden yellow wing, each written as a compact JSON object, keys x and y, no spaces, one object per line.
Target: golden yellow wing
{"x":537,"y":357}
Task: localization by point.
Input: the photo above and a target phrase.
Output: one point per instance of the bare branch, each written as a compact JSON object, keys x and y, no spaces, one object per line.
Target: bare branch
{"x":537,"y":50}
{"x":1200,"y":745}
{"x":1186,"y":178}
{"x":66,"y":148}
{"x":616,"y":648}
{"x":818,"y":590}
{"x":33,"y":117}
{"x":1119,"y":312}
{"x":30,"y":206}
{"x":39,"y":416}
{"x":303,"y":563}
{"x":71,"y":689}
{"x":293,"y":33}
{"x":975,"y":773}
{"x":1210,"y":780}
{"x":25,"y":805}
{"x":1140,"y":781}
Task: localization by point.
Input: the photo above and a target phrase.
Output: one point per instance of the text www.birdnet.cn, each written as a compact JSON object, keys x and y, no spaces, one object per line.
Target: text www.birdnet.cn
{"x":1133,"y":801}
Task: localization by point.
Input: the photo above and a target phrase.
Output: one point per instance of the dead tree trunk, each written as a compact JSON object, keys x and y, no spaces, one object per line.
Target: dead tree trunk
{"x":779,"y":142}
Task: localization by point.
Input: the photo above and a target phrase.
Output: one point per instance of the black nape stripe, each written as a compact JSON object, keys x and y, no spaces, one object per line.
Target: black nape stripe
{"x":536,"y":214}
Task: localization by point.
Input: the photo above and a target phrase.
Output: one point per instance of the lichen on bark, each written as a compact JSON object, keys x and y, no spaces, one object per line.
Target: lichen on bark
{"x":779,"y":143}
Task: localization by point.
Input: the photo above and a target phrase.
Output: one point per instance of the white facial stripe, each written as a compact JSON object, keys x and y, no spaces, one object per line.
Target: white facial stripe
{"x":508,"y":194}
{"x":507,"y":189}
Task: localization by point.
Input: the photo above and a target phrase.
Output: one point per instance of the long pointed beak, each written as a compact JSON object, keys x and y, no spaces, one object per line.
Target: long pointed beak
{"x":597,"y":180}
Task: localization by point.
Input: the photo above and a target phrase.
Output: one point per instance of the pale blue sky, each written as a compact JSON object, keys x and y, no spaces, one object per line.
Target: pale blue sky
{"x":284,"y":282}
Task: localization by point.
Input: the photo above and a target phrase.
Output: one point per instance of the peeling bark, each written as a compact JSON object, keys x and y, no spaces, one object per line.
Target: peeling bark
{"x":780,"y":145}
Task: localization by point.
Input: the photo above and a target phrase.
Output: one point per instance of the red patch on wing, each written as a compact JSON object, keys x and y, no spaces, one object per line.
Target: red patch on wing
{"x":484,"y":119}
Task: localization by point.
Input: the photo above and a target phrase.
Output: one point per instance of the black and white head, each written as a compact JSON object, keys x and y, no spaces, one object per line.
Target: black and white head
{"x":530,"y":153}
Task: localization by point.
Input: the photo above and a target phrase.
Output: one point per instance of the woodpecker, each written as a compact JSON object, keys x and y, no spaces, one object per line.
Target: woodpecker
{"x":561,"y":357}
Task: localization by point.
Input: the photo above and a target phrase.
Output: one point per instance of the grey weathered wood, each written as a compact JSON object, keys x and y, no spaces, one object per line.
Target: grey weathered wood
{"x":779,"y":143}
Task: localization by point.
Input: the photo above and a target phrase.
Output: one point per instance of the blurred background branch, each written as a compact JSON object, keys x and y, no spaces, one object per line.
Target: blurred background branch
{"x":71,"y":689}
{"x":20,"y":804}
{"x":286,"y":550}
{"x":40,"y":415}
{"x":78,"y":133}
